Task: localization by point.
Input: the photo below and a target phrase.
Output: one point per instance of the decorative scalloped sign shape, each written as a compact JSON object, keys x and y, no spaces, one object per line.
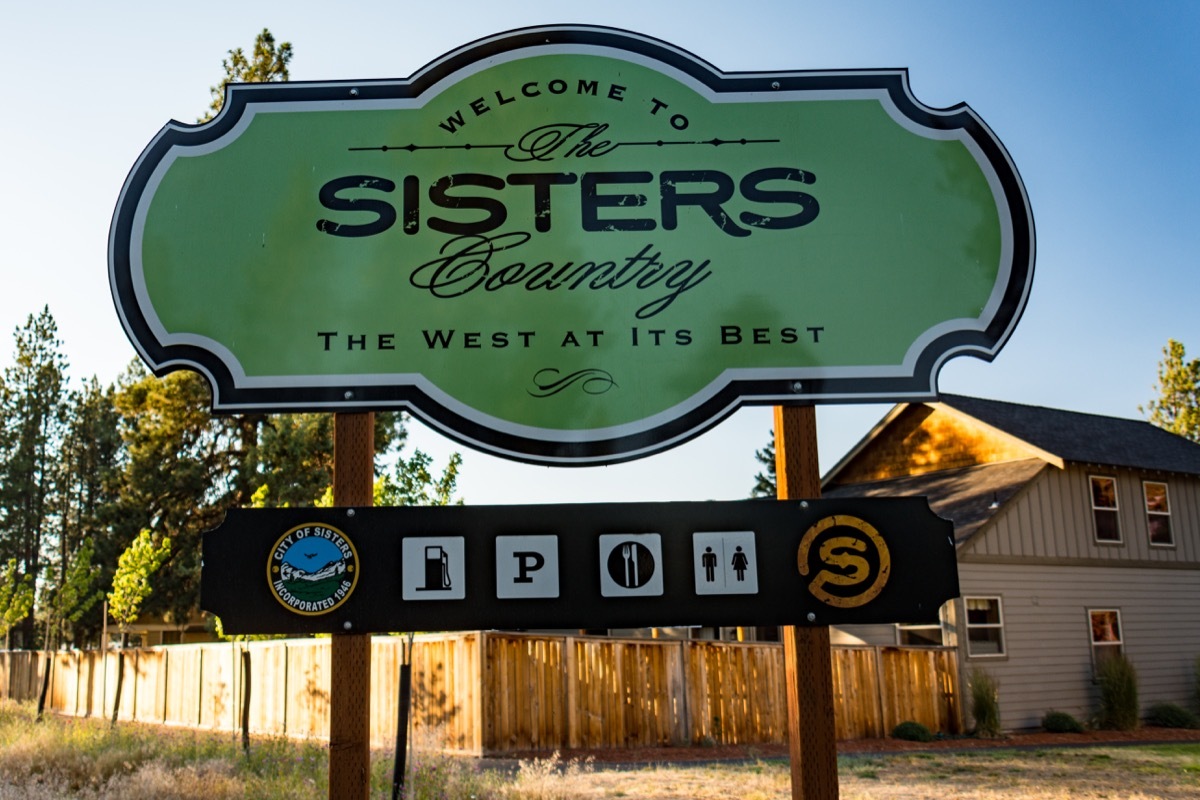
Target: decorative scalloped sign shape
{"x":572,"y":245}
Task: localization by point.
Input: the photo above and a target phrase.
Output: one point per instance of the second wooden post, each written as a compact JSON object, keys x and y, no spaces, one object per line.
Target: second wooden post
{"x":350,"y":668}
{"x":812,"y":735}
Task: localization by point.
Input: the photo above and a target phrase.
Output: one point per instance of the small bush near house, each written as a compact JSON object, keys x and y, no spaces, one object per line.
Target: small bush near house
{"x":1169,"y":715}
{"x":1061,"y":722}
{"x":1197,"y":697}
{"x":985,"y":703}
{"x":1118,"y":694}
{"x":912,"y":732}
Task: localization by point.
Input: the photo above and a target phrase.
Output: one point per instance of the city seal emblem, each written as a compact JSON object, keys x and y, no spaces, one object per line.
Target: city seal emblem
{"x":312,"y":569}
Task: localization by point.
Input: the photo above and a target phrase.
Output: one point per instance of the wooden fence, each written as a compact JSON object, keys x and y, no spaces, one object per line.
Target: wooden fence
{"x":493,"y":693}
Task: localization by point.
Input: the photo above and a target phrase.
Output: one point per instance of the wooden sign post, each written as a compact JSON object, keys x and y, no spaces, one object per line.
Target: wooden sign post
{"x":509,"y":373}
{"x":350,"y":668}
{"x":808,"y":673}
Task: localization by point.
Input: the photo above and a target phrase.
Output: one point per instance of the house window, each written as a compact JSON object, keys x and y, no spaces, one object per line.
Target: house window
{"x":919,"y":635}
{"x":1158,"y":513}
{"x":1104,"y":509}
{"x":985,"y":626}
{"x":929,"y":634}
{"x":1106,"y":634}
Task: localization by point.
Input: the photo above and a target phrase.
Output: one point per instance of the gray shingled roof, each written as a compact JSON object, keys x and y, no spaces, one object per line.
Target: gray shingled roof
{"x":1085,"y":438}
{"x":968,"y":497}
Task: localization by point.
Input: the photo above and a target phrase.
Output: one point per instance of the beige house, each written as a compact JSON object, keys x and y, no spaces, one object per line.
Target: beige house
{"x":1078,"y":537}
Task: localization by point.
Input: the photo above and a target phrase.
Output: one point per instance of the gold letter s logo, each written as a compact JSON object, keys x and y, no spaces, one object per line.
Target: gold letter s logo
{"x":843,"y":552}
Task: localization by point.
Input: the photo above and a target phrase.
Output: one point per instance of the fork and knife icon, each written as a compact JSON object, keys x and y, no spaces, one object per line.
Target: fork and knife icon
{"x":634,"y":567}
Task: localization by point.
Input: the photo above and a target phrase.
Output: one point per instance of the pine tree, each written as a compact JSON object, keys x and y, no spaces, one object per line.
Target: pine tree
{"x":268,"y":63}
{"x":1177,"y":407}
{"x":764,"y":482}
{"x":32,"y":413}
{"x":89,"y":461}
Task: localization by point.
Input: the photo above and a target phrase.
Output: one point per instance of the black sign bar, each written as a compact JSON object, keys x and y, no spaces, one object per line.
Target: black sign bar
{"x":608,"y":565}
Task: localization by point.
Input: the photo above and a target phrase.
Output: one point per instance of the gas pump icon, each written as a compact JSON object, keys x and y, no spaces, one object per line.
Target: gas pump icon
{"x":433,"y":568}
{"x":437,"y":570}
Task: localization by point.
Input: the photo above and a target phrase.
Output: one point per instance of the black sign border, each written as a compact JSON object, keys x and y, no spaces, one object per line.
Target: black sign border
{"x":923,"y":566}
{"x":584,"y":449}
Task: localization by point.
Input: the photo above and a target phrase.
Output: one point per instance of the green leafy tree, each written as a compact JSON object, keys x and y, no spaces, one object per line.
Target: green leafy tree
{"x":16,"y":597}
{"x":411,"y":483}
{"x":176,"y":476}
{"x":73,"y":594}
{"x":268,"y":62}
{"x":31,"y":419}
{"x":1177,"y":407}
{"x":764,"y":482}
{"x":131,"y":583}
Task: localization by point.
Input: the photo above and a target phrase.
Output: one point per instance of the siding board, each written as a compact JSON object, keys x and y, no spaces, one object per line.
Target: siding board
{"x":1047,"y":641}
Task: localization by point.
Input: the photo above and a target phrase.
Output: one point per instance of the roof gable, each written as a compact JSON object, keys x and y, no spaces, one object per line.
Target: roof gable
{"x":968,"y":497}
{"x":959,"y":431}
{"x":1085,"y":438}
{"x":919,"y":438}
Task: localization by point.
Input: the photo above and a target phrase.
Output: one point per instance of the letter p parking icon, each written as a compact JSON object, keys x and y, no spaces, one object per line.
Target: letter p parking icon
{"x":528,"y":561}
{"x":526,"y":567}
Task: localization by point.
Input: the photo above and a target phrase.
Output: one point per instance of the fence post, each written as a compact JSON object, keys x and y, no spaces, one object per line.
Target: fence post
{"x":246,"y":700}
{"x":570,"y":692}
{"x":41,"y":707}
{"x":881,"y":729}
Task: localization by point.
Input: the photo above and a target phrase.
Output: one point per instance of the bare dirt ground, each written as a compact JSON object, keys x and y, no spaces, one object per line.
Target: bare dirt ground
{"x":665,"y":755}
{"x":1034,"y":766}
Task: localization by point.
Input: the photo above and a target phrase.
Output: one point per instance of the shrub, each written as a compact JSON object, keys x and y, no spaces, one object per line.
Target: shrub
{"x":912,"y":732}
{"x":985,"y":703}
{"x":1169,"y":715}
{"x":1118,"y":694}
{"x":1197,"y":697}
{"x":1061,"y":722}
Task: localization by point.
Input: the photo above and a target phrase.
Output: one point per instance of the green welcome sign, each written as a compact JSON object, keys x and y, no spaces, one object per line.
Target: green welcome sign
{"x":572,"y":245}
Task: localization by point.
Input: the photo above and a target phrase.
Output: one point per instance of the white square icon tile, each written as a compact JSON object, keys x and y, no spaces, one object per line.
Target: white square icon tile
{"x":631,"y":565}
{"x":433,"y":568}
{"x":725,"y":562}
{"x":526,"y":566}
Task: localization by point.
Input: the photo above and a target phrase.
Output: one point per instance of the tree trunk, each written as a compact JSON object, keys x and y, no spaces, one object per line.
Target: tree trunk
{"x":120,"y":681}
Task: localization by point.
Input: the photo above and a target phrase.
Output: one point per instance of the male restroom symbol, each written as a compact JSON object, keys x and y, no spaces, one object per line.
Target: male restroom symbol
{"x":709,"y":562}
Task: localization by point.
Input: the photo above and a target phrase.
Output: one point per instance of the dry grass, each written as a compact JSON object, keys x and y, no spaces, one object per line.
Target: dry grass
{"x":1131,"y":773}
{"x":84,"y":759}
{"x":1170,"y":772}
{"x":68,"y":758}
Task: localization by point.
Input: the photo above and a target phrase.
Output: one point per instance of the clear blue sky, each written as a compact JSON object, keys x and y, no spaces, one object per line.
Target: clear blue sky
{"x":1097,"y":102}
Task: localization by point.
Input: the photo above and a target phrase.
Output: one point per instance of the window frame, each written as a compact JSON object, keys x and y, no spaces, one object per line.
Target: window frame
{"x":944,"y":627}
{"x":1115,"y":509}
{"x":1119,"y":644}
{"x":1151,"y":514}
{"x":903,"y":627}
{"x":998,"y":625}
